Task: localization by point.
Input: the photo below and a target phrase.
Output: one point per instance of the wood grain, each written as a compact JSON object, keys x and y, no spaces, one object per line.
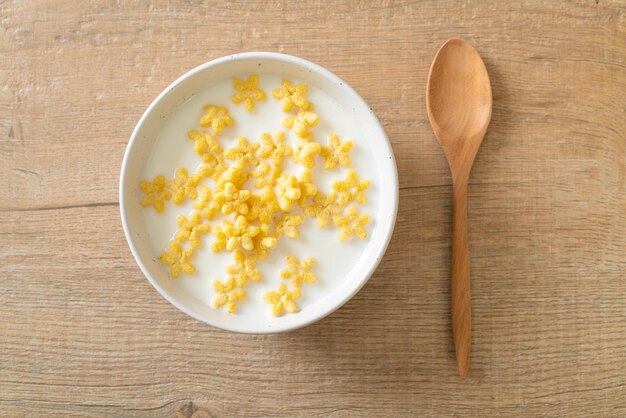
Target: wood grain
{"x":84,"y":334}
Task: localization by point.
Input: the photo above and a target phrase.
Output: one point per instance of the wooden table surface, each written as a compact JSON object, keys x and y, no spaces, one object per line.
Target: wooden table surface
{"x":83,"y":333}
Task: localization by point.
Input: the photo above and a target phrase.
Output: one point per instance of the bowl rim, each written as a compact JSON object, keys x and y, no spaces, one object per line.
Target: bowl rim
{"x":394,"y":194}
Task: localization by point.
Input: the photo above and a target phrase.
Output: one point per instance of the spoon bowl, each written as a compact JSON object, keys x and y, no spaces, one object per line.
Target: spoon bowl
{"x":459,"y":95}
{"x":459,"y":102}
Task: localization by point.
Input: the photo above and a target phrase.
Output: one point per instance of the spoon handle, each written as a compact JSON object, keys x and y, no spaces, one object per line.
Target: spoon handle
{"x":461,"y":301}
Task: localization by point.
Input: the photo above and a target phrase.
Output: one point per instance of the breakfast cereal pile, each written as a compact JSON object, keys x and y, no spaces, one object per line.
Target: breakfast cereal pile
{"x":252,"y":202}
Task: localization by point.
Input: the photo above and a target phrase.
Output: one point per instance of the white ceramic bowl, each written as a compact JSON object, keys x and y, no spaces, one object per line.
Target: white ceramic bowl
{"x":180,"y":91}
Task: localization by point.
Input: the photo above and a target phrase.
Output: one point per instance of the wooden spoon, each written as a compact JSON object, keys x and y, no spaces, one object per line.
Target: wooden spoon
{"x":458,"y":100}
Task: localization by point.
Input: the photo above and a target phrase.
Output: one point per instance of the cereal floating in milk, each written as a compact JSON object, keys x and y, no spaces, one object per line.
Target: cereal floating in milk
{"x":155,"y":193}
{"x":191,"y":230}
{"x":227,"y":294}
{"x":287,"y":225}
{"x":217,"y":118}
{"x":336,"y":152}
{"x":184,"y":186}
{"x":282,"y":299}
{"x":323,"y":207}
{"x":301,"y":123}
{"x":274,"y":148}
{"x":351,"y":223}
{"x":288,"y":191}
{"x":304,"y":152}
{"x":243,"y":151}
{"x":178,"y":258}
{"x":245,"y":195}
{"x":266,"y":174}
{"x":292,"y":95}
{"x":247,"y":92}
{"x":231,"y":236}
{"x":352,"y":188}
{"x":244,"y":268}
{"x":298,"y":271}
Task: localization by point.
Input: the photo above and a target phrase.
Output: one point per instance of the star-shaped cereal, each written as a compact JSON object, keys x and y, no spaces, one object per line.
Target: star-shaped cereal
{"x":306,"y":186}
{"x":228,"y":294}
{"x":301,"y":123}
{"x":206,"y":204}
{"x":304,"y":153}
{"x":191,"y":229}
{"x":216,"y":117}
{"x":266,"y":174}
{"x":288,"y":191}
{"x":351,"y":188}
{"x":213,"y":167}
{"x":247,"y":92}
{"x":243,"y":150}
{"x":178,"y":259}
{"x":274,"y":147}
{"x":204,"y":142}
{"x":287,"y":225}
{"x":282,"y":299}
{"x":291,"y":95}
{"x":184,"y":186}
{"x":243,"y":269}
{"x":264,"y":242}
{"x":298,"y":271}
{"x":351,"y":223}
{"x":323,"y":207}
{"x":155,"y":193}
{"x":236,"y":174}
{"x":336,"y":152}
{"x":262,"y":205}
{"x":231,"y":236}
{"x":235,"y":200}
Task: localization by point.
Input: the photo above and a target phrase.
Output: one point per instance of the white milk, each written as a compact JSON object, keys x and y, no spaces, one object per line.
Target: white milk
{"x":334,"y":259}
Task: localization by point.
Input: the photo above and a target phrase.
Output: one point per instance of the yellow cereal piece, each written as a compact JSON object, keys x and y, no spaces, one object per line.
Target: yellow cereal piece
{"x":177,"y":259}
{"x":184,"y":186}
{"x":287,"y":225}
{"x":323,"y":207}
{"x":288,"y":191}
{"x":301,"y":122}
{"x":264,"y":242}
{"x":214,"y":166}
{"x":236,"y":174}
{"x":234,"y":200}
{"x":265,"y":174}
{"x":243,"y":269}
{"x":351,"y":188}
{"x":155,"y":193}
{"x":206,"y":204}
{"x":243,"y":151}
{"x":209,"y":148}
{"x":351,"y":223}
{"x":191,"y":229}
{"x":274,"y":148}
{"x":228,"y":294}
{"x":217,"y":118}
{"x":262,"y":206}
{"x":306,"y":186}
{"x":282,"y":299}
{"x":304,"y":153}
{"x":221,"y":233}
{"x":231,"y":236}
{"x":298,"y":271}
{"x":247,"y":92}
{"x":291,"y":95}
{"x":336,"y":152}
{"x":204,"y":142}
